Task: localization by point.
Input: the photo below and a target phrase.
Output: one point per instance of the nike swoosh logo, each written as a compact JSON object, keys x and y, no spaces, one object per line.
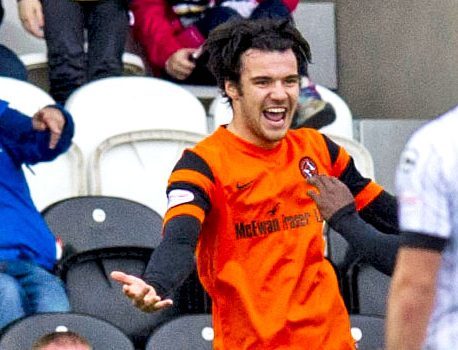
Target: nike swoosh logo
{"x":243,"y":186}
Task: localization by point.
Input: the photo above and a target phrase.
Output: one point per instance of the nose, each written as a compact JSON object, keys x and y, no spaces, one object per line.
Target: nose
{"x":278,"y":91}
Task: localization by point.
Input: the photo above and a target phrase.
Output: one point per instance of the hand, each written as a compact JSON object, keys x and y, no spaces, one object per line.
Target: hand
{"x":180,"y":65}
{"x":142,"y":294}
{"x":31,"y":15}
{"x":51,"y":119}
{"x":333,"y":194}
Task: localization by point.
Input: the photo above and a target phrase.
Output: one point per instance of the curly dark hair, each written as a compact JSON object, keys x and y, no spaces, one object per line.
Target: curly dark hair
{"x":227,"y":42}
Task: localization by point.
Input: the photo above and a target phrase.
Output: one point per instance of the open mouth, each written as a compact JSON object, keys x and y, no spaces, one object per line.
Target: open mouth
{"x":275,"y":115}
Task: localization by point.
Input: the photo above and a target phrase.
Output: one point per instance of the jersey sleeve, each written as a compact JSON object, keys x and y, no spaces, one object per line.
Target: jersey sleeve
{"x":343,"y":167}
{"x":190,"y":188}
{"x":376,"y":206}
{"x":423,"y":187}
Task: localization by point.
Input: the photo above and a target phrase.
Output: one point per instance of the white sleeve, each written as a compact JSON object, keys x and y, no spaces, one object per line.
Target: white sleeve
{"x":422,"y":187}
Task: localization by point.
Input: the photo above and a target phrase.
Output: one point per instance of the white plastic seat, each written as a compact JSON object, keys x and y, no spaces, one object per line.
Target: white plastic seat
{"x":49,"y":181}
{"x":221,"y":113}
{"x":114,"y":106}
{"x":137,"y":165}
{"x":62,"y":178}
{"x":362,"y":157}
{"x":343,"y":125}
{"x":25,"y":97}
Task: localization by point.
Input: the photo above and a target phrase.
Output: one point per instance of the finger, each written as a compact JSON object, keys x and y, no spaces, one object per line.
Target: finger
{"x":33,"y":28}
{"x":156,"y":306}
{"x":38,"y":125}
{"x":40,"y":18}
{"x":314,"y":195}
{"x":184,"y":70}
{"x":55,"y":133}
{"x":36,"y":29}
{"x":124,"y":278}
{"x":163,"y":304}
{"x":316,"y":181}
{"x":55,"y":123}
{"x":326,"y":182}
{"x":136,"y":292}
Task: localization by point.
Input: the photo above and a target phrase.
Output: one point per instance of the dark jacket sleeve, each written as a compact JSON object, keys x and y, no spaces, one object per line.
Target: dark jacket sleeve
{"x":29,"y":146}
{"x":374,"y":247}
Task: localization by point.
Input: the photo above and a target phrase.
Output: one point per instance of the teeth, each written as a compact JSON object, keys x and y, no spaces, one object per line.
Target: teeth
{"x":276,"y":110}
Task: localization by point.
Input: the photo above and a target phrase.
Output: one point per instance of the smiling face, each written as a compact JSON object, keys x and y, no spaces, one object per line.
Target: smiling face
{"x":265,"y":100}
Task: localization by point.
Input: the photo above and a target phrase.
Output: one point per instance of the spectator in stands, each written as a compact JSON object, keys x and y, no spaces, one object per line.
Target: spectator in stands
{"x":62,"y":24}
{"x":173,"y":32}
{"x":28,"y":250}
{"x":10,"y":65}
{"x":246,"y":213}
{"x":62,"y":341}
{"x":423,"y":300}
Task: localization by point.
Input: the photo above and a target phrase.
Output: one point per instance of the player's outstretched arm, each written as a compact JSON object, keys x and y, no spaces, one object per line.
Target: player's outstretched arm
{"x":142,"y":294}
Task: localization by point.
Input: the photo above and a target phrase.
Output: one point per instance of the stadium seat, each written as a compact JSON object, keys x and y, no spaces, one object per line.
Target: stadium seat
{"x":149,"y":156}
{"x":368,"y":331}
{"x":370,"y":289}
{"x":102,"y":335}
{"x":221,"y":113}
{"x":188,"y":332}
{"x":103,"y":234}
{"x":343,"y":125}
{"x":62,"y":178}
{"x":49,"y":182}
{"x":113,"y":106}
{"x":375,"y":135}
{"x":95,"y":222}
{"x":23,"y":96}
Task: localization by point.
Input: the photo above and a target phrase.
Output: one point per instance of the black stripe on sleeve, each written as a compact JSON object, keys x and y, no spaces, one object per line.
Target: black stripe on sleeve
{"x":350,"y":176}
{"x":333,"y":149}
{"x":423,"y":241}
{"x":353,"y":178}
{"x":201,"y":198}
{"x":192,"y":161}
{"x":382,"y":213}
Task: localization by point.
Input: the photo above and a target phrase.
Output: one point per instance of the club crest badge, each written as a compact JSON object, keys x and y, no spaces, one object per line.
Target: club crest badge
{"x":308,"y":167}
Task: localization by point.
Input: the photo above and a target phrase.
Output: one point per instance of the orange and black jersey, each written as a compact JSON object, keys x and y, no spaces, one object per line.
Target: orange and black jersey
{"x":258,"y":241}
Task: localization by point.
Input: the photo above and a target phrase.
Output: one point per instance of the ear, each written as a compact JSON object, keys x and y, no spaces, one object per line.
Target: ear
{"x":231,"y":89}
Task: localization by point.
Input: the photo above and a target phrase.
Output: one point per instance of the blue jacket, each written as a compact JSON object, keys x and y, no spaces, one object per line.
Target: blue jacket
{"x":24,"y":234}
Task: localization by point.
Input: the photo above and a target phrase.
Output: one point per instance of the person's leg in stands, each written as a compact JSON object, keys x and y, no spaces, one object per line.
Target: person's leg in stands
{"x":108,"y":26}
{"x":11,"y":300}
{"x":10,"y":65}
{"x":64,"y":34}
{"x":271,"y":9}
{"x":44,"y":291}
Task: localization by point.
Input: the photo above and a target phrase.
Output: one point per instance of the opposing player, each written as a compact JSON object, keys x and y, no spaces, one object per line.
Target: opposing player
{"x":423,"y":302}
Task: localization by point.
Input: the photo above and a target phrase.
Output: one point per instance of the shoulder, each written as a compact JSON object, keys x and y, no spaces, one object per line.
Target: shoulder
{"x":434,"y":146}
{"x":440,"y":132}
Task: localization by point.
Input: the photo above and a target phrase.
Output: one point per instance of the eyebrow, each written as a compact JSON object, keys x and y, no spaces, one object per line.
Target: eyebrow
{"x":266,"y":77}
